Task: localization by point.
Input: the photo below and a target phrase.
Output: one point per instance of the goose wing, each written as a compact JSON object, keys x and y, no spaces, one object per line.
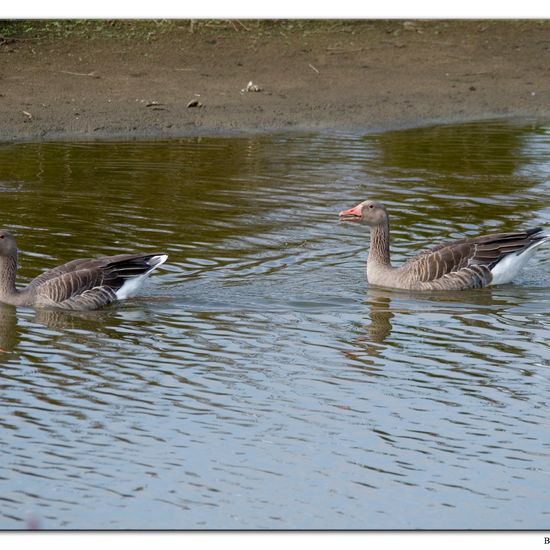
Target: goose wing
{"x":91,"y":283}
{"x":469,"y":260}
{"x":64,"y":289}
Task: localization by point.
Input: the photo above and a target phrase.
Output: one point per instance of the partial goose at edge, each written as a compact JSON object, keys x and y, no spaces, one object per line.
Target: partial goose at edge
{"x":83,"y":284}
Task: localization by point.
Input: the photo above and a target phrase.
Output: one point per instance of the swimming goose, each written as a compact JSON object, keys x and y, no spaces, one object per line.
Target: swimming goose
{"x":453,"y":265}
{"x":83,"y":284}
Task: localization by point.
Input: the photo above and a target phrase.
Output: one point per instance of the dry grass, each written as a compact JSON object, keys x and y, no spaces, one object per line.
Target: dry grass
{"x":147,"y":29}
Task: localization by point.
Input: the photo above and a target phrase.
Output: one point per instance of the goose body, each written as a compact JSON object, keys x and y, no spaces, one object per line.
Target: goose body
{"x":83,"y":284}
{"x":472,"y":262}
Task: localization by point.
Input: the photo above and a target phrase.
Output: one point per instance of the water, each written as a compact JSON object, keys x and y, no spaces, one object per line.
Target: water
{"x":257,"y":382}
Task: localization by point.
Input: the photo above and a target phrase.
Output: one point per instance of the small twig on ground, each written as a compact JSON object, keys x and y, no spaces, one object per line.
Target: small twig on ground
{"x":92,"y":74}
{"x":243,"y":25}
{"x":233,"y":25}
{"x":27,"y":114}
{"x":315,"y":69}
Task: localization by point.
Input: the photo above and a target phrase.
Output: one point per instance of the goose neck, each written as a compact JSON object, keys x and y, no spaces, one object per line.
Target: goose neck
{"x":8,"y":270}
{"x":379,"y":253}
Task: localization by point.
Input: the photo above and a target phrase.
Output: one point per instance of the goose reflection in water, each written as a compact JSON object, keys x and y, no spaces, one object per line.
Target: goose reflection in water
{"x":8,"y":329}
{"x":384,"y":304}
{"x":431,"y":334}
{"x":91,"y":322}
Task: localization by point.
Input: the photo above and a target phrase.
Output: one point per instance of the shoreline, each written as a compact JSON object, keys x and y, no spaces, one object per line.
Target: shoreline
{"x":266,"y":131}
{"x":355,"y":77}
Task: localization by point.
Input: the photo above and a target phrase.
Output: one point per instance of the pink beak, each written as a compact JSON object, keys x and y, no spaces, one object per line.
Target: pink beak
{"x":352,"y":215}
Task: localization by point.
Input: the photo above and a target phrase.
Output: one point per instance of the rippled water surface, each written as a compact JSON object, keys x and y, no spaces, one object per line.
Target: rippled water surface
{"x":258,"y":382}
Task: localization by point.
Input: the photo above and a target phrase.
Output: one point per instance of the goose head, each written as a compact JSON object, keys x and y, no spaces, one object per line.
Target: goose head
{"x":371,"y":213}
{"x":8,"y":246}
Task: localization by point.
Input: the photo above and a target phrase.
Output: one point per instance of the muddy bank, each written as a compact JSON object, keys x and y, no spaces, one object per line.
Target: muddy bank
{"x":192,"y":80}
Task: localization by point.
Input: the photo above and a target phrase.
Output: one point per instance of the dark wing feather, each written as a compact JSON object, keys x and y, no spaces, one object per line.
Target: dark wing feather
{"x":491,"y":249}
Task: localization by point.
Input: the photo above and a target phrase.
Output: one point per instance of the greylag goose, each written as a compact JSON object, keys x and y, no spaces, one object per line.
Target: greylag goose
{"x":83,"y":284}
{"x":472,"y":262}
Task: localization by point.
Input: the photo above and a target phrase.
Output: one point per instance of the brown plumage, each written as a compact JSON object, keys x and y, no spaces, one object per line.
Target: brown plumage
{"x":453,"y":265}
{"x":82,"y":284}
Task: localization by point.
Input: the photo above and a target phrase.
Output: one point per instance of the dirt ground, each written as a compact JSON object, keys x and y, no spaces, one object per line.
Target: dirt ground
{"x":350,"y":75}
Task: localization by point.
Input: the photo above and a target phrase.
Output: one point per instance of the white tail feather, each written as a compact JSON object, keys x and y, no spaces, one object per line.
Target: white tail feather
{"x":511,"y":265}
{"x":132,"y":285}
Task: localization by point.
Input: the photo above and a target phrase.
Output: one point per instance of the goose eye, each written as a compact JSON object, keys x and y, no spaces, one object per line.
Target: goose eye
{"x":1,"y":236}
{"x":371,"y":205}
